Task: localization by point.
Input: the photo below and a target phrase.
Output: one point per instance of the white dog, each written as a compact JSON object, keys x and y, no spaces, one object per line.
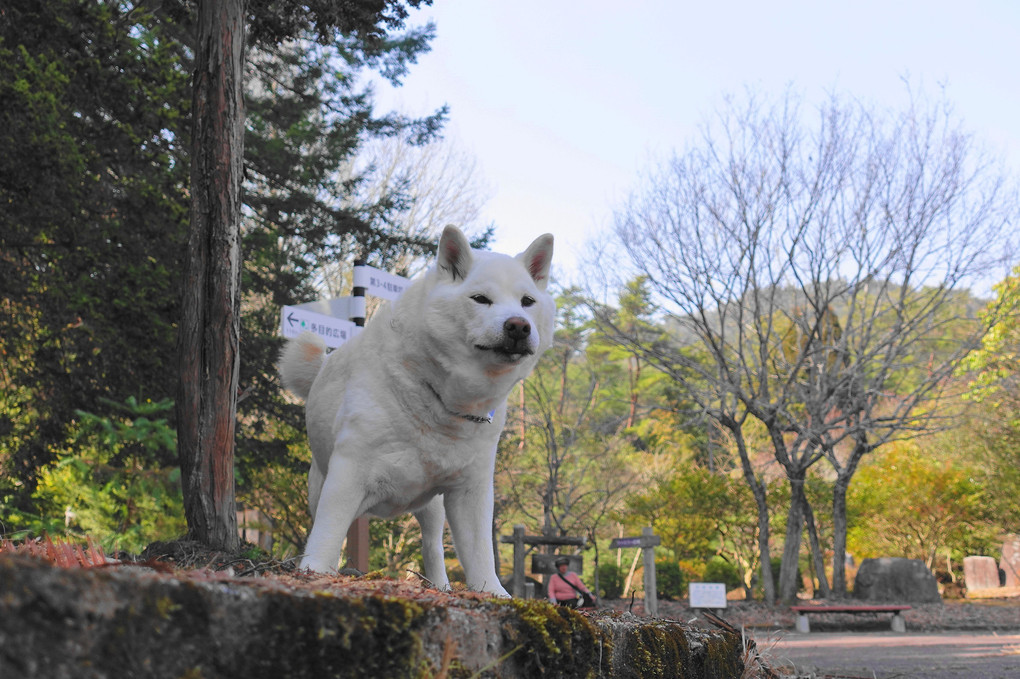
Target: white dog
{"x":406,"y":416}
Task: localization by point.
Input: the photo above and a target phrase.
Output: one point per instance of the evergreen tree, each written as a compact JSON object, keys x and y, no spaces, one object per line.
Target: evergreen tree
{"x":93,"y":182}
{"x":94,"y":166}
{"x":308,"y":118}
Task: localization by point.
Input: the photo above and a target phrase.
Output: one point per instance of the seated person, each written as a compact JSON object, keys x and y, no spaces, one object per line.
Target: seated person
{"x":566,"y":588}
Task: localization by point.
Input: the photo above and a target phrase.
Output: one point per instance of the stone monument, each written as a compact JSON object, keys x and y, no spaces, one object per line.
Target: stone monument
{"x":1010,"y":561}
{"x":895,"y":580}
{"x":980,"y":572}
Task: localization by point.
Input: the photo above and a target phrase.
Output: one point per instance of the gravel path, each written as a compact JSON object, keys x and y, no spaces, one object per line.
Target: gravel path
{"x":972,"y":639}
{"x":1002,"y":615}
{"x":887,"y":655}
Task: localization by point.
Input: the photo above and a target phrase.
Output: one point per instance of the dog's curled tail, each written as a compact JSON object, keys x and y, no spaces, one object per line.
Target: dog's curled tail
{"x":300,"y":361}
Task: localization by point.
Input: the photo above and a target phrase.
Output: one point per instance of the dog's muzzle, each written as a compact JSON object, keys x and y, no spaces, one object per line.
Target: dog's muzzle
{"x":516,"y":340}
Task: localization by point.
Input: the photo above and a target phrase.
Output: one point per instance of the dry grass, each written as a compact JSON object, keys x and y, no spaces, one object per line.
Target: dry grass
{"x":61,"y":553}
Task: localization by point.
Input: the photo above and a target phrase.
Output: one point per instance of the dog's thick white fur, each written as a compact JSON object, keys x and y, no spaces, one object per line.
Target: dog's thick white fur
{"x":406,"y":416}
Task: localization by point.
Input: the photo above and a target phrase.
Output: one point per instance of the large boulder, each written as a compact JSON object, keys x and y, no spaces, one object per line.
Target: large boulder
{"x":896,"y":580}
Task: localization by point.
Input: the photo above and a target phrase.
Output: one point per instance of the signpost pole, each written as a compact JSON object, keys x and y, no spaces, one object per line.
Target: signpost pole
{"x":646,"y":543}
{"x":518,"y":577}
{"x":357,"y":534}
{"x":358,"y":312}
{"x":322,"y":316}
{"x":651,"y":600}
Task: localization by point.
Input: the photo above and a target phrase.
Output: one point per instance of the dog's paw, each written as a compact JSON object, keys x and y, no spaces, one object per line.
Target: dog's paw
{"x":496,"y":591}
{"x":309,"y":563}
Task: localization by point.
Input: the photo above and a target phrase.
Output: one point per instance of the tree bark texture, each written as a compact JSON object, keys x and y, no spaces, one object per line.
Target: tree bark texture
{"x":767,"y":580}
{"x":209,"y":329}
{"x":761,"y":502}
{"x":817,"y":557}
{"x":791,"y":546}
{"x":839,"y":535}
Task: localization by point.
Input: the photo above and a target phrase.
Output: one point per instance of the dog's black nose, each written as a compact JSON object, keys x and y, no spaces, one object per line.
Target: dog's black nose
{"x":516,"y":328}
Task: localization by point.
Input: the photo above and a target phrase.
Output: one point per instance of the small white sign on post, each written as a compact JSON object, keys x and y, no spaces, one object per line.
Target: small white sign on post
{"x":647,"y":541}
{"x":707,"y":594}
{"x":378,"y":282}
{"x":335,"y":331}
{"x":344,"y":308}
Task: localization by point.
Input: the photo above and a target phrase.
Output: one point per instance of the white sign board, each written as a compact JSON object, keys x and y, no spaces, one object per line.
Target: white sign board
{"x":338,"y":307}
{"x":379,"y":283}
{"x":335,"y":331}
{"x":707,"y":594}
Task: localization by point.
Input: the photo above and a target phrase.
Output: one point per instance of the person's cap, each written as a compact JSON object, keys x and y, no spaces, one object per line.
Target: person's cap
{"x":562,"y":561}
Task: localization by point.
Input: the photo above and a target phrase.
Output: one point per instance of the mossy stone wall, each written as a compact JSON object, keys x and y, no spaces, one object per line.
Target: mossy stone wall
{"x":126,"y":621}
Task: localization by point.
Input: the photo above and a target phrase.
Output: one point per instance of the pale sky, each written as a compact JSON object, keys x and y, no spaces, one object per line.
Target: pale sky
{"x":565,"y":104}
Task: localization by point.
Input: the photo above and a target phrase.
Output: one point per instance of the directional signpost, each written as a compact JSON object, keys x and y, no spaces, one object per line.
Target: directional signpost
{"x":336,"y":321}
{"x":378,"y":282}
{"x":335,"y":331}
{"x":540,"y":563}
{"x":647,"y":541}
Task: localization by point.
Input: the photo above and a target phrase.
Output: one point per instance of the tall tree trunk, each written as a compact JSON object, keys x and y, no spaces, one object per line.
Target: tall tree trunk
{"x":839,"y":490}
{"x":767,"y":580}
{"x":522,"y":431}
{"x":839,"y":535}
{"x":761,"y":501}
{"x":209,"y":329}
{"x":816,"y":549}
{"x":634,"y":375}
{"x":791,"y":547}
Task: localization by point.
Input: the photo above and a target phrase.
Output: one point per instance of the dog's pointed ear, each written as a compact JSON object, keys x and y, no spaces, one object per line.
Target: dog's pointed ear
{"x":537,"y":259}
{"x":454,"y":256}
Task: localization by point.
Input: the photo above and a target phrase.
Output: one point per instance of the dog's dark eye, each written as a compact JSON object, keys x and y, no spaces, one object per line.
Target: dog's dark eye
{"x":482,"y":299}
{"x":527,"y":301}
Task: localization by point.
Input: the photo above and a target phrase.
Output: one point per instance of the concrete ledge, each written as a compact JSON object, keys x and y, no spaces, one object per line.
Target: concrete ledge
{"x":993,"y":593}
{"x":126,"y":621}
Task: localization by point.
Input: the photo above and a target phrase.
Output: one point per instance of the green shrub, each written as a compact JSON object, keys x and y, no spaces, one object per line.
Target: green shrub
{"x":669,"y":580}
{"x":719,"y":569}
{"x":112,"y":481}
{"x":611,"y":579}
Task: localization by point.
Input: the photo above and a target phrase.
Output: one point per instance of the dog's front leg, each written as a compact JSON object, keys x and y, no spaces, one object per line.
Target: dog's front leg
{"x":339,"y":501}
{"x":432,"y":518}
{"x":470,"y":513}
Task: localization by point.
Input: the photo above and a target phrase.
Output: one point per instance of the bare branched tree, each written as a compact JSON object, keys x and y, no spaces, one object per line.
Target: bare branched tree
{"x":815,"y":273}
{"x":414,"y":191}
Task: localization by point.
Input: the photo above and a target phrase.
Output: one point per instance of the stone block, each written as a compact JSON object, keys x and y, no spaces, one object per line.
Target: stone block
{"x":895,"y":580}
{"x":1010,"y":561}
{"x":133,"y":622}
{"x":980,"y":572}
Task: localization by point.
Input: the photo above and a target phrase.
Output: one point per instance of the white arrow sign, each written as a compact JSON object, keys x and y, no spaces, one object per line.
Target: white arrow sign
{"x":326,"y":317}
{"x":335,"y":331}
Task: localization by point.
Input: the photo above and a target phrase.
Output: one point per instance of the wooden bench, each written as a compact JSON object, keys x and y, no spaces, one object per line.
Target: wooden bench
{"x":898,"y":623}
